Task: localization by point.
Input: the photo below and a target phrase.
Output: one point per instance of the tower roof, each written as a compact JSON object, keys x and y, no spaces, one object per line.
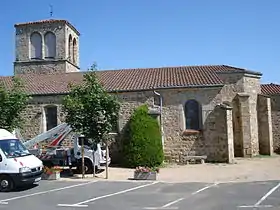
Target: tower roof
{"x":48,"y":21}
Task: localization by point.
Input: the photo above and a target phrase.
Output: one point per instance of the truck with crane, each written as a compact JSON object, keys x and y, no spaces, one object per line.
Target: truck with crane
{"x":57,"y":154}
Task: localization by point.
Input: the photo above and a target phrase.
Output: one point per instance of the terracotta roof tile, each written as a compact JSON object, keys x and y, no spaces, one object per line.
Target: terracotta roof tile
{"x":270,"y":89}
{"x":129,"y":79}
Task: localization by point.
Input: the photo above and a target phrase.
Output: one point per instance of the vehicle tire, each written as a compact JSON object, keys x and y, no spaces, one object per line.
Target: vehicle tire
{"x":48,"y":164}
{"x":88,"y":167}
{"x":6,"y":183}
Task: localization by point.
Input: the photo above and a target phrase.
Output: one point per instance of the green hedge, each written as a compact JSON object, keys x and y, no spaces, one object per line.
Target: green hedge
{"x":142,"y":143}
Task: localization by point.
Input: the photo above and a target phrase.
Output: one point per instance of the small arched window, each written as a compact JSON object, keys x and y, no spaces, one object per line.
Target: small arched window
{"x":50,"y":45}
{"x":74,"y":51}
{"x":193,"y":115}
{"x":36,"y":46}
{"x":70,"y":43}
{"x":51,"y":117}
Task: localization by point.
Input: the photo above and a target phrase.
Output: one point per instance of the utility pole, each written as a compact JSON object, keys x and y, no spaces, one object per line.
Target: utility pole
{"x":83,"y":156}
{"x":107,"y":152}
{"x":93,"y":161}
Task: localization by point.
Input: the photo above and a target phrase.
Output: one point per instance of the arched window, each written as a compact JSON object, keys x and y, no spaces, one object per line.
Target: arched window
{"x":51,"y":117}
{"x":74,"y":51}
{"x":70,"y":43}
{"x":193,"y":115}
{"x":50,"y":45}
{"x":36,"y":46}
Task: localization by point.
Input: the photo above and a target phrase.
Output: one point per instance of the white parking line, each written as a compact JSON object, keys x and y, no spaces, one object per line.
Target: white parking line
{"x":173,"y":202}
{"x":82,"y":204}
{"x":258,"y":204}
{"x":44,"y":192}
{"x":167,"y":206}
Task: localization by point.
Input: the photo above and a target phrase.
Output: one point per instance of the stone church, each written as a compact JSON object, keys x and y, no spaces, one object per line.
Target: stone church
{"x":219,"y":111}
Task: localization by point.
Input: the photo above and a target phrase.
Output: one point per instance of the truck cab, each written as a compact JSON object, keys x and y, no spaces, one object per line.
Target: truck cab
{"x":92,"y":157}
{"x":18,"y":166}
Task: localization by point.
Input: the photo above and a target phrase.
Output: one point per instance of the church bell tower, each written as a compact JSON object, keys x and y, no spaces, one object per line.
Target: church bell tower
{"x":47,"y":46}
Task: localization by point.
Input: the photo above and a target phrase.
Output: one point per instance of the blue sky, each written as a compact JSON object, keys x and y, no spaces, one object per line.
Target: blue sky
{"x":154,"y":33}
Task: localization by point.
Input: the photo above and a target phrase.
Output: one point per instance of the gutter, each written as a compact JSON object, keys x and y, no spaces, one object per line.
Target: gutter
{"x":170,"y":87}
{"x":140,"y":90}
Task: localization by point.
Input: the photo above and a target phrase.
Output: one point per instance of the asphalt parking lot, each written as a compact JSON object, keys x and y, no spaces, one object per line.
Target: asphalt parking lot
{"x":109,"y":195}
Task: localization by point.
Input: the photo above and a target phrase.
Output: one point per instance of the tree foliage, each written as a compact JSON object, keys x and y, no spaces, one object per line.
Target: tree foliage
{"x":13,"y":101}
{"x":90,"y":110}
{"x":142,"y":144}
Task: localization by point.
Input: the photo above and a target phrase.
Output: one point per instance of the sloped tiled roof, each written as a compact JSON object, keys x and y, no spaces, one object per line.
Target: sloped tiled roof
{"x":270,"y":89}
{"x":129,"y":79}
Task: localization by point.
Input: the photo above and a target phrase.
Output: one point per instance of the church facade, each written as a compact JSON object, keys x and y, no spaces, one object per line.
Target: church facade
{"x":219,"y":111}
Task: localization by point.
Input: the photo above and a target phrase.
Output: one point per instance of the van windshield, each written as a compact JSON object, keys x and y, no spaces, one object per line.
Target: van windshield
{"x":13,"y":148}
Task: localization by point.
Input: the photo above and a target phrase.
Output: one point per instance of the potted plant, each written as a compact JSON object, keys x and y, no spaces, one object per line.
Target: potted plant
{"x":145,"y":173}
{"x":51,"y":173}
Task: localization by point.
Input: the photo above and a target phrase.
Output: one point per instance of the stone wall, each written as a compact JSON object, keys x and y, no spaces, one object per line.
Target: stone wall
{"x":218,"y":134}
{"x":74,"y":35}
{"x":33,"y":116}
{"x":70,"y":67}
{"x":265,"y":125}
{"x":42,"y":67}
{"x":178,"y":141}
{"x":275,"y":115}
{"x":249,"y":86}
{"x":23,"y":33}
{"x":173,"y":117}
{"x":23,"y":64}
{"x":253,"y":88}
{"x":210,"y":141}
{"x":215,"y":141}
{"x":129,"y":102}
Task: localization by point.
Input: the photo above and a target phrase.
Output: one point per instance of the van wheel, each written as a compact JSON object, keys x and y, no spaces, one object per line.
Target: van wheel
{"x":6,"y":183}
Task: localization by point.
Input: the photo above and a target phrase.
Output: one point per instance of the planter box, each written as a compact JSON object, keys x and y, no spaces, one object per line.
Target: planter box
{"x":145,"y":175}
{"x":54,"y":176}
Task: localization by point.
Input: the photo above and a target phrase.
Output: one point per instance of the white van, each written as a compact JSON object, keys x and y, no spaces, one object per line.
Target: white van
{"x":18,"y":166}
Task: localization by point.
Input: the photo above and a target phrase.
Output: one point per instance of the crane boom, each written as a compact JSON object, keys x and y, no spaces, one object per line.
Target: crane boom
{"x":55,"y":136}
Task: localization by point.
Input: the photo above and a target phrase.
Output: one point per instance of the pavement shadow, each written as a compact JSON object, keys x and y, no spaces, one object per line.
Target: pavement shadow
{"x":23,"y":188}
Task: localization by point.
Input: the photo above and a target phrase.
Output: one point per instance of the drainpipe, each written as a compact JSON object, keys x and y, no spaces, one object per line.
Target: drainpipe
{"x":160,"y":119}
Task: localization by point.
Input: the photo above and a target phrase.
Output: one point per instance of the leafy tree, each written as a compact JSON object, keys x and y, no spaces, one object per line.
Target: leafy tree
{"x":90,"y":109}
{"x":142,"y":144}
{"x":13,"y":101}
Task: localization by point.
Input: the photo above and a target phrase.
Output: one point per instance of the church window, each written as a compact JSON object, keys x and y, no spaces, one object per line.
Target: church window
{"x":193,"y":115}
{"x":70,"y":43}
{"x":36,"y":46}
{"x":51,"y":117}
{"x":50,"y":45}
{"x":74,"y":51}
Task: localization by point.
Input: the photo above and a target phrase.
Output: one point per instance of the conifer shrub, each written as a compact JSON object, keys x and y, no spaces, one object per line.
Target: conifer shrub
{"x":142,"y":145}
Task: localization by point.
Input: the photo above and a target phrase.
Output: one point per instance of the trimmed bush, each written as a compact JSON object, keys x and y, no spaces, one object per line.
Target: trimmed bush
{"x":142,"y":141}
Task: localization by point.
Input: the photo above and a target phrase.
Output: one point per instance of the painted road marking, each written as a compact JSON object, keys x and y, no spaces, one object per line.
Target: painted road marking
{"x":5,"y":201}
{"x":82,"y":204}
{"x":258,"y":204}
{"x":168,"y":205}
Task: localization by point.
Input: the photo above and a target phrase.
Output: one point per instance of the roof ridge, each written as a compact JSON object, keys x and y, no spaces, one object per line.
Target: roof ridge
{"x":205,"y":68}
{"x":161,"y":67}
{"x":270,"y":84}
